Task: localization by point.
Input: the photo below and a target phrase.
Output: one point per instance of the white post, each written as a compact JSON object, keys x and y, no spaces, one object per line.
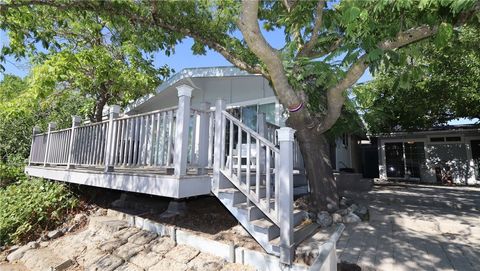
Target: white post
{"x":219,"y":141}
{"x":181,"y":131}
{"x":203,"y":137}
{"x":36,"y":130}
{"x":110,"y":142}
{"x":75,"y":123}
{"x":285,"y":212}
{"x":51,"y":127}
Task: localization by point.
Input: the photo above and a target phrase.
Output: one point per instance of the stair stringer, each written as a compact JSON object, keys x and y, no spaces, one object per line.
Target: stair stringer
{"x":242,"y":218}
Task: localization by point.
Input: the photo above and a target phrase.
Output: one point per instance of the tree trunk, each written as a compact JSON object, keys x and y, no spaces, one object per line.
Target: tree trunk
{"x":316,"y":156}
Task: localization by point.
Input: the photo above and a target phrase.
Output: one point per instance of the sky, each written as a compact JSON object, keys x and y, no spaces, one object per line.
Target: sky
{"x":181,"y":59}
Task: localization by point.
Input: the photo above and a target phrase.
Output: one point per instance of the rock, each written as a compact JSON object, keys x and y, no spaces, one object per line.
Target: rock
{"x":162,"y":245}
{"x":125,"y":233}
{"x":145,"y":260}
{"x":18,"y":253}
{"x":343,"y":202}
{"x":80,"y":217}
{"x":111,"y":245}
{"x":128,"y":250}
{"x":101,"y":212}
{"x":44,"y":243}
{"x":64,"y":265}
{"x":128,"y":267}
{"x":362,"y":212}
{"x":343,"y":212}
{"x":352,"y":208}
{"x":12,"y":248}
{"x":205,"y":261}
{"x":324,"y":219}
{"x":169,"y":264}
{"x":142,"y":237}
{"x":54,"y":234}
{"x":182,"y":254}
{"x":337,"y":218}
{"x":106,"y":263}
{"x":33,"y":244}
{"x":351,"y":218}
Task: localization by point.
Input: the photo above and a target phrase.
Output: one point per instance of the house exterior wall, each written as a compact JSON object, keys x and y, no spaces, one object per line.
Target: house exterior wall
{"x":456,"y":155}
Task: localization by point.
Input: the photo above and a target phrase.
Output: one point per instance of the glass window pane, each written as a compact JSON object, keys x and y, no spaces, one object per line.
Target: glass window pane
{"x":249,"y":116}
{"x":394,"y":160}
{"x":269,"y":110}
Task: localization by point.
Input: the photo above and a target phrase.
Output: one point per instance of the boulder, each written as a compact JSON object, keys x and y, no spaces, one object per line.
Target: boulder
{"x":362,"y":212}
{"x":337,"y":218}
{"x":324,"y":219}
{"x":54,"y":234}
{"x":351,"y":218}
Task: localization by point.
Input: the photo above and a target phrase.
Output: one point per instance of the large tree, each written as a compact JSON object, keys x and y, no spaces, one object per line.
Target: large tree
{"x":328,"y":46}
{"x":439,"y":84}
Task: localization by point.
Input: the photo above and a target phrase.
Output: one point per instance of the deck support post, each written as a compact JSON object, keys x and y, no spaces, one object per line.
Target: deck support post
{"x":75,"y":123}
{"x":182,"y":130}
{"x":203,"y":138}
{"x":219,"y":143}
{"x":262,"y":130}
{"x":51,"y":127}
{"x":35,"y":131}
{"x":285,"y":212}
{"x":114,"y":112}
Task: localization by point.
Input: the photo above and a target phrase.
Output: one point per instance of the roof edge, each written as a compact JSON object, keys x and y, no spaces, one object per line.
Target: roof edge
{"x":200,"y":72}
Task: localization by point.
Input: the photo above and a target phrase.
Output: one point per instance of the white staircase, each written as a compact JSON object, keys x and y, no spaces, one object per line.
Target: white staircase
{"x":253,"y":179}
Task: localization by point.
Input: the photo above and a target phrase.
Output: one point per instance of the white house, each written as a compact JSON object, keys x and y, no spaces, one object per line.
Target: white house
{"x":450,"y":152}
{"x":205,"y":130}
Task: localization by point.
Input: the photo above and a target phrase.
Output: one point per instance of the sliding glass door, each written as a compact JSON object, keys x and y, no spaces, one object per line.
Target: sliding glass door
{"x":404,"y":159}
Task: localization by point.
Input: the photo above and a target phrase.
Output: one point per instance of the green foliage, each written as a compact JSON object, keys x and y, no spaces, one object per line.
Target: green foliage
{"x":438,"y":85}
{"x":12,"y":170}
{"x":31,"y":206}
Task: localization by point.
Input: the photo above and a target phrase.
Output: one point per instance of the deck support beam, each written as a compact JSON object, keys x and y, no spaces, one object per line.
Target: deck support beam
{"x":182,"y":130}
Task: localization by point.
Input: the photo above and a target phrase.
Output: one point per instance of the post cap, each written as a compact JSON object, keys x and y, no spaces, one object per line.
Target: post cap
{"x":52,"y":125}
{"x":184,"y":90}
{"x":76,"y":119}
{"x":285,"y":134}
{"x":114,"y":109}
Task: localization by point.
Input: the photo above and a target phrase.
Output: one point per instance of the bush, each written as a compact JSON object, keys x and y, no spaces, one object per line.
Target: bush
{"x":12,"y":170}
{"x":29,"y":207}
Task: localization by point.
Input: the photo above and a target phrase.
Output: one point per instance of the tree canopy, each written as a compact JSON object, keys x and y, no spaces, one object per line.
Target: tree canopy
{"x":440,"y":84}
{"x":328,"y":46}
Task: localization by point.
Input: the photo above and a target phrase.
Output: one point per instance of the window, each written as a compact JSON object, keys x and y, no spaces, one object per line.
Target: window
{"x":453,"y":139}
{"x":345,"y":139}
{"x":437,"y":139}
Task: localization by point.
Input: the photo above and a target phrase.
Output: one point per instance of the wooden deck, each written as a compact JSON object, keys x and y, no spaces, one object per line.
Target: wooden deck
{"x":148,"y":181}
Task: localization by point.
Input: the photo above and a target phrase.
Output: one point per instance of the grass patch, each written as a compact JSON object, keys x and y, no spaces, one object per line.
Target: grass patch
{"x":29,"y":207}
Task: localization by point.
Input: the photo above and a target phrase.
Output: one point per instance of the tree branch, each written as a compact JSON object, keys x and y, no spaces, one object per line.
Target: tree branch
{"x":248,"y":24}
{"x":112,"y":10}
{"x":308,"y":47}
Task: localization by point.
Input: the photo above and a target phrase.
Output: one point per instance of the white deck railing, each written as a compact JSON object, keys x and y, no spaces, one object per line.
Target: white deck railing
{"x":150,"y":140}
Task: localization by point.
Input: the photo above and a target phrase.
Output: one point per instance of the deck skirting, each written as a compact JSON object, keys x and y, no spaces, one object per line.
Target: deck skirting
{"x":146,"y":183}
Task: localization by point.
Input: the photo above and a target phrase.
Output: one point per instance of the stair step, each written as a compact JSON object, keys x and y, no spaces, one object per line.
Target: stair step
{"x":300,"y":233}
{"x":252,"y":211}
{"x":265,"y":226}
{"x":234,"y":195}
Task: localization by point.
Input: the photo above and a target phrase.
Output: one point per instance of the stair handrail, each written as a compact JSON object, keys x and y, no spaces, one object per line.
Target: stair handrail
{"x":251,"y":131}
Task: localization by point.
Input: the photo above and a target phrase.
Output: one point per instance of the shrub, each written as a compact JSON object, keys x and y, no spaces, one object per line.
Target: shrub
{"x":12,"y":170}
{"x":30,"y":206}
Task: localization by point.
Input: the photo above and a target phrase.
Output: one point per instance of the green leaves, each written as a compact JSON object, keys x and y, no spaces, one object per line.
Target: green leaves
{"x":350,"y":15}
{"x":444,"y":34}
{"x":31,"y":206}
